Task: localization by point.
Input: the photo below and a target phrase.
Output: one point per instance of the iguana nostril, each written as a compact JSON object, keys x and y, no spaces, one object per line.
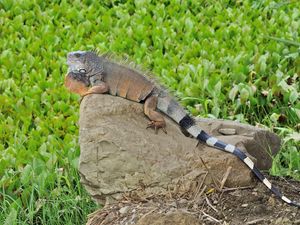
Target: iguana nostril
{"x":77,"y":54}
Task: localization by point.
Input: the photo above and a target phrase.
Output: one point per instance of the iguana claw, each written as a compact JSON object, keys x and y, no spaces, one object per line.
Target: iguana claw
{"x":157,"y":125}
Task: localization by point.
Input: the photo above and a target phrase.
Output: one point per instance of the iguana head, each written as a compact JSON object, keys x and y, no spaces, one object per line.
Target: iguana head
{"x":83,"y":66}
{"x":84,"y":63}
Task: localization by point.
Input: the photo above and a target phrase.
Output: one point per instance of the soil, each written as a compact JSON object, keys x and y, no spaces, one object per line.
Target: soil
{"x":249,"y":205}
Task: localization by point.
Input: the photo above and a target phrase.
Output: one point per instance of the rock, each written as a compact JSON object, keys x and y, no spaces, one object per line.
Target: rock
{"x":118,"y":155}
{"x":227,"y":131}
{"x":124,"y":210}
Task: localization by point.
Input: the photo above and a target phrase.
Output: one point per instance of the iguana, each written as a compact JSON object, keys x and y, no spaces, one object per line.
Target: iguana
{"x":91,"y":73}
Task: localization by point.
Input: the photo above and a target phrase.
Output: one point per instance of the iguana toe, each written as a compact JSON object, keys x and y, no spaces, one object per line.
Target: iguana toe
{"x":157,"y":125}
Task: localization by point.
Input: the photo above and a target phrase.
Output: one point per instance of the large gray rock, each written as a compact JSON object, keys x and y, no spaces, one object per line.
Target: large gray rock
{"x":118,"y":155}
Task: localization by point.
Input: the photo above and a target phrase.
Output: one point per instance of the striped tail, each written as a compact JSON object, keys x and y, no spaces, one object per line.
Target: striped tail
{"x":171,"y":108}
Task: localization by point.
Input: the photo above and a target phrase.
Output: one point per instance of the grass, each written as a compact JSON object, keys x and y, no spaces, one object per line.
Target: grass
{"x":65,"y":204}
{"x":224,"y":59}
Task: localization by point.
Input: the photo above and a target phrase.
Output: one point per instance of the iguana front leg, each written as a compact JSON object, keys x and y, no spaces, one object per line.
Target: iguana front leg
{"x":157,"y":120}
{"x":78,"y":84}
{"x":79,"y":87}
{"x":100,"y":88}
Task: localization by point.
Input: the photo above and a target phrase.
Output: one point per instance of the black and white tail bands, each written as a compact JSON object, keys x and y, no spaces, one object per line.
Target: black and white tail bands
{"x":177,"y":113}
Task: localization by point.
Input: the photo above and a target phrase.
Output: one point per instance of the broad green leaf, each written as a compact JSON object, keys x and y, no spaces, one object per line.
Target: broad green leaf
{"x":26,"y":174}
{"x":11,"y":219}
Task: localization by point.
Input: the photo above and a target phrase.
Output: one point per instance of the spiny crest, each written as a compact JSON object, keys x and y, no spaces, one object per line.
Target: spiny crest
{"x":124,"y":60}
{"x":96,"y":51}
{"x":106,"y":55}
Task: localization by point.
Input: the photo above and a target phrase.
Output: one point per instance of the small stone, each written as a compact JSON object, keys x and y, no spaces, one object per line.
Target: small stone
{"x":255,"y":193}
{"x":182,"y":201}
{"x":245,"y":205}
{"x":227,"y":131}
{"x":124,"y":210}
{"x":271,"y":201}
{"x":173,"y":204}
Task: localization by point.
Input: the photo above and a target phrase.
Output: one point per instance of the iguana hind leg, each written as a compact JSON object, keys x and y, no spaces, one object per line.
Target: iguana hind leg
{"x":157,"y":120}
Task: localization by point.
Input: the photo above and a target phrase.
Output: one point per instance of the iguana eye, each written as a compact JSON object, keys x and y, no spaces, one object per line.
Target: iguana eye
{"x":82,"y":70}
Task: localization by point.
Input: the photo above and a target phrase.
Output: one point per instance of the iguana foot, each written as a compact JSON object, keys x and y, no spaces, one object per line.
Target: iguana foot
{"x":157,"y":120}
{"x":157,"y":125}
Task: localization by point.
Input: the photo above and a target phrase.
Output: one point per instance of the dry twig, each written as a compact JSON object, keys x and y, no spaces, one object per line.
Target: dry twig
{"x":257,"y":221}
{"x":225,"y":177}
{"x":200,"y":191}
{"x":210,"y":205}
{"x":211,"y":175}
{"x":211,"y":217}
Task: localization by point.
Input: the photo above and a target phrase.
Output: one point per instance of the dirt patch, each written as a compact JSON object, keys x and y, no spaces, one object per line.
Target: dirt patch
{"x":252,"y":205}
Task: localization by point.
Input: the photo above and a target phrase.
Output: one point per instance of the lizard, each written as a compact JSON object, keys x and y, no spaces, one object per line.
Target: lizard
{"x":92,"y":73}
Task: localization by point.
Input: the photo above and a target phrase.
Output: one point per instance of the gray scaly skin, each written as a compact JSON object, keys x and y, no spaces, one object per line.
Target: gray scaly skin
{"x":90,"y":73}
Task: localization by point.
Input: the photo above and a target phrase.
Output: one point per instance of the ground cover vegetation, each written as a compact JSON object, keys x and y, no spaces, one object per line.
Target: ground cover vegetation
{"x":236,"y":60}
